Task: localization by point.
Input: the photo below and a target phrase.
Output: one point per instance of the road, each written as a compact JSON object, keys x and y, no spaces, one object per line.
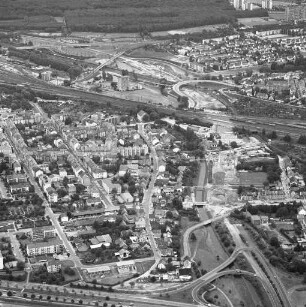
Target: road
{"x":103,"y":194}
{"x":147,"y":200}
{"x":97,"y":69}
{"x":176,"y":87}
{"x":200,"y":190}
{"x":268,"y":274}
{"x":76,"y":294}
{"x":283,"y":126}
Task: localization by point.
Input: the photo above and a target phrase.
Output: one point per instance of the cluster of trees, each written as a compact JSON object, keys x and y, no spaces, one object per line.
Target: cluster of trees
{"x":42,"y":275}
{"x":6,"y":206}
{"x":45,"y":59}
{"x":190,"y":174}
{"x":271,"y":245}
{"x":183,"y":102}
{"x":191,"y":141}
{"x":302,"y":140}
{"x":107,"y":227}
{"x":133,"y":16}
{"x":255,"y":107}
{"x":225,"y":236}
{"x":283,"y":210}
{"x":128,"y":183}
{"x":16,"y":101}
{"x":298,"y":64}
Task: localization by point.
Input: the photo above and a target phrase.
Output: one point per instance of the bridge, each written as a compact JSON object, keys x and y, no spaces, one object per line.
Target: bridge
{"x":97,"y":69}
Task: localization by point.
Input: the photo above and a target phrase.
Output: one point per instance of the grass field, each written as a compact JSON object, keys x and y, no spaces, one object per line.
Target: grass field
{"x":238,"y":290}
{"x":119,"y":15}
{"x":299,"y":298}
{"x":206,"y":249}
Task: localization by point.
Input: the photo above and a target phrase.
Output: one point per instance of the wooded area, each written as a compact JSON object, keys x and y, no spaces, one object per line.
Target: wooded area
{"x":118,"y":15}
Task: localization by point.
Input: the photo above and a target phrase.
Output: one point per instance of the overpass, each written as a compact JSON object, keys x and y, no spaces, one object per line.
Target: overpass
{"x":97,"y":69}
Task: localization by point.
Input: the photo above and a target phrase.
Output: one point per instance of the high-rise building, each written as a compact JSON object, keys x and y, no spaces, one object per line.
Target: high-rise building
{"x":269,"y":4}
{"x":264,"y":4}
{"x":123,"y":83}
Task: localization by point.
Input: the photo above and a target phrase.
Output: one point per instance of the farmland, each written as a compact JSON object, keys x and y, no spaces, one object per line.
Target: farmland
{"x":119,"y":15}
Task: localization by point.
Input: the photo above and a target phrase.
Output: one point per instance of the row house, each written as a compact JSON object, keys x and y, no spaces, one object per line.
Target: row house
{"x":133,"y":150}
{"x":16,"y":178}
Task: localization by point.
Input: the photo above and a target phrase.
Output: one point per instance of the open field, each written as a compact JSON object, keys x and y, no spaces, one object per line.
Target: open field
{"x":238,"y":290}
{"x":257,"y":21}
{"x":119,"y":16}
{"x":149,"y":95}
{"x":299,"y":298}
{"x":150,"y":53}
{"x":206,"y":249}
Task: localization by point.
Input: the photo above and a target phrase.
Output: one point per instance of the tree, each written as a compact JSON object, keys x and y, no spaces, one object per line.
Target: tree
{"x":153,"y":279}
{"x":69,"y":271}
{"x":48,"y":297}
{"x":68,"y":121}
{"x":234,"y":144}
{"x":9,"y":293}
{"x":74,"y":72}
{"x":20,"y":265}
{"x":304,"y":278}
{"x":273,"y":135}
{"x":287,"y":138}
{"x":25,"y":295}
{"x":302,"y":140}
{"x":104,"y":304}
{"x":193,"y":237}
{"x":65,"y":181}
{"x":80,"y":302}
{"x":274,"y":242}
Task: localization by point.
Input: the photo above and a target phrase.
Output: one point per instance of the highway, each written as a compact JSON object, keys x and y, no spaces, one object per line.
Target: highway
{"x":86,"y":295}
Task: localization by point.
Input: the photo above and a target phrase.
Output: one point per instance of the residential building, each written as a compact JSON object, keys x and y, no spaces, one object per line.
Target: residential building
{"x":126,"y":267}
{"x":53,"y":266}
{"x":110,"y":187}
{"x":123,"y":83}
{"x":41,"y":248}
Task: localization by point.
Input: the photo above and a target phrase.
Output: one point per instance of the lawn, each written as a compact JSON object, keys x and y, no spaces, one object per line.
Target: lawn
{"x":119,"y":16}
{"x":238,"y":290}
{"x":144,"y":266}
{"x":299,"y":298}
{"x":206,"y":248}
{"x":150,"y":53}
{"x":256,"y":179}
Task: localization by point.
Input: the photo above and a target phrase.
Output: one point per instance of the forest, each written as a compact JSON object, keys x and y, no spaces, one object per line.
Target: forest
{"x":118,"y":15}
